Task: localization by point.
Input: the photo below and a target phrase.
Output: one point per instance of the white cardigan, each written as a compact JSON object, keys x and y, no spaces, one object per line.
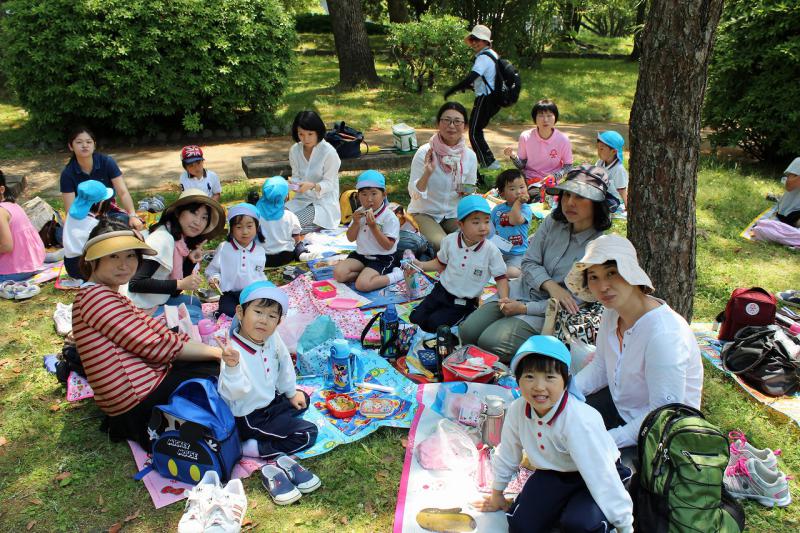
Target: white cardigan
{"x":439,"y":200}
{"x":323,"y":168}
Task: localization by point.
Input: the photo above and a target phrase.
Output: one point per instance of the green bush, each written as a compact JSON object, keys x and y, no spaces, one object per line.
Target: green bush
{"x":319,"y":23}
{"x":142,"y":65}
{"x":753,"y":97}
{"x":430,"y":52}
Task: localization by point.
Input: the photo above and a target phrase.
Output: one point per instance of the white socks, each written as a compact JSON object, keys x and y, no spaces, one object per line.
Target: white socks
{"x":250,"y":448}
{"x":395,"y":275}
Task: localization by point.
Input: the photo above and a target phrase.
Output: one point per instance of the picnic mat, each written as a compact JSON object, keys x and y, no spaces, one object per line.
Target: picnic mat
{"x":769,"y":212}
{"x":329,"y":241}
{"x":66,"y":283}
{"x":711,"y":348}
{"x":50,"y":272}
{"x":444,"y":489}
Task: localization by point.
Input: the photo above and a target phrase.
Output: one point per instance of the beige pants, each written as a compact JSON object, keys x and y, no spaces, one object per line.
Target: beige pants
{"x":435,"y":231}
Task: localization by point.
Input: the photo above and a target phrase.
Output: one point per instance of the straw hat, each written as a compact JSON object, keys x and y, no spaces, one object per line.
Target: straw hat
{"x":113,"y":242}
{"x":608,"y":248}
{"x":196,"y":196}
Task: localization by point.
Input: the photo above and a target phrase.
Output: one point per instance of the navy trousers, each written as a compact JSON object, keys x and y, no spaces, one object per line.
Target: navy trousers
{"x":440,"y":308}
{"x":279,"y":428}
{"x":558,"y":499}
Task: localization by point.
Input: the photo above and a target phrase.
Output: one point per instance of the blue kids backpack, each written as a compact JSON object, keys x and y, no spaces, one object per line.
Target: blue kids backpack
{"x":193,"y":433}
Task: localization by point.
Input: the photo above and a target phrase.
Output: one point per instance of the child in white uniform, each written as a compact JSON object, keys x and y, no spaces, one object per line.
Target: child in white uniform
{"x":91,"y":203}
{"x":196,"y":176}
{"x":609,"y":150}
{"x":375,"y":228}
{"x":281,"y":227}
{"x":578,"y":481}
{"x":239,"y":260}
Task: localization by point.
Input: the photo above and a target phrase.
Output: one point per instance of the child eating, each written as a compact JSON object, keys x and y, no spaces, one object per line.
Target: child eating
{"x":512,"y":219}
{"x":609,"y":150}
{"x":258,"y":382}
{"x":578,"y":481}
{"x":474,"y":261}
{"x":196,"y":176}
{"x":375,"y":229}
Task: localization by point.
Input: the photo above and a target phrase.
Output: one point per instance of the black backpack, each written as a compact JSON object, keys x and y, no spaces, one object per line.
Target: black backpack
{"x":506,"y":92}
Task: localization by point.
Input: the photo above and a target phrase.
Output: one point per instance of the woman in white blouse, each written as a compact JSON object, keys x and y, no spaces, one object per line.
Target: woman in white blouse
{"x":647,"y":355}
{"x":315,"y":175}
{"x":443,"y":170}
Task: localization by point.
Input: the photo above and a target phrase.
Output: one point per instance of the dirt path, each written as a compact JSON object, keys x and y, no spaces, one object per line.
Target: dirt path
{"x":157,"y":167}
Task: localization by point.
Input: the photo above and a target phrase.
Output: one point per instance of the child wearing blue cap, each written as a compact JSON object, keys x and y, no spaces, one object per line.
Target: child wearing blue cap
{"x":466,"y":261}
{"x":609,"y":150}
{"x":92,"y":202}
{"x":281,"y":227}
{"x":239,"y":259}
{"x":577,"y":484}
{"x":375,"y":228}
{"x":257,"y":380}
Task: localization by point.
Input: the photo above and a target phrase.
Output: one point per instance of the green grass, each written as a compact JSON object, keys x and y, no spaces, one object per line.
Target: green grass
{"x":593,"y":43}
{"x":47,"y":436}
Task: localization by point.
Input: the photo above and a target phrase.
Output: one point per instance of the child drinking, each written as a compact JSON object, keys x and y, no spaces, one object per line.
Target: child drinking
{"x":375,"y":229}
{"x":90,"y":204}
{"x":258,"y":382}
{"x":578,"y":480}
{"x":239,"y":260}
{"x":512,"y":219}
{"x":474,"y":261}
{"x":609,"y":150}
{"x":196,"y":176}
{"x":280,"y":226}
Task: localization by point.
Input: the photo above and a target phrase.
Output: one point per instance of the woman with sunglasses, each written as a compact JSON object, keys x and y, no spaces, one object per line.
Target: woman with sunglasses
{"x":582,"y":215}
{"x":443,"y":170}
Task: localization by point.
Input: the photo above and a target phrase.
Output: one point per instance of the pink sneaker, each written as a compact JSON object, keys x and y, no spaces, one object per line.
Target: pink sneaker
{"x":749,"y":478}
{"x":741,"y":448}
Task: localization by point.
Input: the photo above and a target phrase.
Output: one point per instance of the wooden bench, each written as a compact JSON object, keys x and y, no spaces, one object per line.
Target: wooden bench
{"x":262,"y":167}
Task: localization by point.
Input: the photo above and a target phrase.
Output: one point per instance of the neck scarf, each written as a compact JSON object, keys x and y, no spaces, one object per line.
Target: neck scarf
{"x":450,"y":158}
{"x":179,"y":253}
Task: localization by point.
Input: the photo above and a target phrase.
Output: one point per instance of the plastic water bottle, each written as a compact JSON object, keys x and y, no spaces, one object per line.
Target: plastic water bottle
{"x":340,"y":366}
{"x":413,"y":287}
{"x":389,"y":326}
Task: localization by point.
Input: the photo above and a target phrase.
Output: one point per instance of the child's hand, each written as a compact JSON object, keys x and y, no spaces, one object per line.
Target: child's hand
{"x":509,"y":152}
{"x":491,"y":503}
{"x":230,"y":355}
{"x":370,"y":216}
{"x":305,"y":186}
{"x":298,"y":401}
{"x":196,"y":255}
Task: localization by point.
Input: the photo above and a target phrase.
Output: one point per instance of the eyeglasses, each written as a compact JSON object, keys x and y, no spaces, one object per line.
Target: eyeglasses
{"x":451,"y":121}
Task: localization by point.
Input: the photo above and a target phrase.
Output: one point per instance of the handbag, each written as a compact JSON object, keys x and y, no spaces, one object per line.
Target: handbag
{"x":765,"y":358}
{"x":582,"y":326}
{"x":346,"y":140}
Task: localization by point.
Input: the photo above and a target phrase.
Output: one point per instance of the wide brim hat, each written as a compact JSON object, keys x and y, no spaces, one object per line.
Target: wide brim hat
{"x":587,"y":181}
{"x":196,"y":196}
{"x":479,"y":31}
{"x":608,"y":248}
{"x":794,"y":167}
{"x":113,"y":242}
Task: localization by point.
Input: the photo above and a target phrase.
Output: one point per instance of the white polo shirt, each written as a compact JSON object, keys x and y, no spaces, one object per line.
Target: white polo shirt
{"x":389,"y":225}
{"x":659,"y":363}
{"x":76,"y":233}
{"x":236,"y":266}
{"x":279,"y":234}
{"x":469,"y":268}
{"x":209,"y":183}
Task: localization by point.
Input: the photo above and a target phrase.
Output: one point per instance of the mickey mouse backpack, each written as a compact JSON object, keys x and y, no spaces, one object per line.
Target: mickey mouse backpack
{"x":193,"y":433}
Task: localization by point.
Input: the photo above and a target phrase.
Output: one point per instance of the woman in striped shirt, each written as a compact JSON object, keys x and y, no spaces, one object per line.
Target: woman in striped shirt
{"x":132,"y":361}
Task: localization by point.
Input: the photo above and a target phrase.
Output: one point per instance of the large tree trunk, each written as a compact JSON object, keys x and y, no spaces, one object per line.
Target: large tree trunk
{"x":641,"y":12}
{"x":398,"y":11}
{"x":356,"y":63}
{"x":665,"y":143}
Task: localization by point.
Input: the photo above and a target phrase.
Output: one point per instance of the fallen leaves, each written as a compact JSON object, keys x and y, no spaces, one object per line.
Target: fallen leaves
{"x":404,"y":442}
{"x":3,"y":441}
{"x":35,"y":501}
{"x":115,"y":527}
{"x":30,"y":525}
{"x":381,"y":475}
{"x":55,"y":407}
{"x":64,"y":479}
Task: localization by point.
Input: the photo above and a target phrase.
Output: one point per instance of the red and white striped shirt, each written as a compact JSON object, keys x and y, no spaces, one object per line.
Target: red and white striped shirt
{"x":125,"y":352}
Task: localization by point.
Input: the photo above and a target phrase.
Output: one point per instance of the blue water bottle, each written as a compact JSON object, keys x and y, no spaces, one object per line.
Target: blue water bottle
{"x":389,"y":326}
{"x":340,"y":366}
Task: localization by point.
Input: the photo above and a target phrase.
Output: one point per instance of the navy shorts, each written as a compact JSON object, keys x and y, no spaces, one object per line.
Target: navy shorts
{"x":382,"y":264}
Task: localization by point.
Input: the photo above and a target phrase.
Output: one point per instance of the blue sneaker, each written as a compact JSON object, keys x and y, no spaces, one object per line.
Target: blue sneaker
{"x":278,"y":485}
{"x":301,"y":478}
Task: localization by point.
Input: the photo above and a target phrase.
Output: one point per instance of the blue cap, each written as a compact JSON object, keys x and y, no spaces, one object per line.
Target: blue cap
{"x":273,"y":196}
{"x":243,"y":209}
{"x":614,"y":140}
{"x":371,"y":178}
{"x":89,"y":193}
{"x":470,"y":204}
{"x":547,"y":346}
{"x":265,"y":289}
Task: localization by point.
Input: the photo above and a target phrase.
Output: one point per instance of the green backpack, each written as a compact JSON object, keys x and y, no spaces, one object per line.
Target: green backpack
{"x":678,"y":486}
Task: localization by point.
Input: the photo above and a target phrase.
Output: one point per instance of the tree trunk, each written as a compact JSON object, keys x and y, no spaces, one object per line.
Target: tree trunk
{"x":356,"y":63}
{"x":665,"y":143}
{"x":641,"y":12}
{"x":398,"y":11}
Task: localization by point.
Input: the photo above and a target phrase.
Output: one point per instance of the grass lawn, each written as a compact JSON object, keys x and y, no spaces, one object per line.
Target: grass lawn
{"x":43,"y":437}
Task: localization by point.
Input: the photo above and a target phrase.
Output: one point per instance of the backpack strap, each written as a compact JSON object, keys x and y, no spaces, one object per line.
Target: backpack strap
{"x":496,"y":60}
{"x":366,"y":329}
{"x":143,"y":472}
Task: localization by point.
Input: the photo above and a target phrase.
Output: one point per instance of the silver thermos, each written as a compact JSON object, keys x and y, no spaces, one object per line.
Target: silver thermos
{"x":494,"y":412}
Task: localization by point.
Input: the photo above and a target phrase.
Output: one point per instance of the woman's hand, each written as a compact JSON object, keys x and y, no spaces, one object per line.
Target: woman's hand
{"x":492,"y":502}
{"x":135,"y":222}
{"x":196,"y":255}
{"x":563,"y":296}
{"x":298,"y":401}
{"x":305,"y":186}
{"x":191,"y":282}
{"x":509,"y":152}
{"x":430,"y":163}
{"x":511,"y":307}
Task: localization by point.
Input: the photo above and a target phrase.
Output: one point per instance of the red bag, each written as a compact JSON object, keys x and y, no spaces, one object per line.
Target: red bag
{"x":746,"y":307}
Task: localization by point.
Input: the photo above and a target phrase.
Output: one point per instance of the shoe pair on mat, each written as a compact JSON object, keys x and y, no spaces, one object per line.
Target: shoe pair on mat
{"x":18,"y":290}
{"x":153,"y":204}
{"x":286,"y":481}
{"x":212,"y":508}
{"x":753,"y":473}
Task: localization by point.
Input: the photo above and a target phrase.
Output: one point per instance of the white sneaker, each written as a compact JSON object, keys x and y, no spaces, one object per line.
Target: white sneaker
{"x":749,"y":478}
{"x":24,"y":290}
{"x":199,"y":503}
{"x":494,"y":166}
{"x":63,"y":318}
{"x":741,"y":448}
{"x":227,"y":511}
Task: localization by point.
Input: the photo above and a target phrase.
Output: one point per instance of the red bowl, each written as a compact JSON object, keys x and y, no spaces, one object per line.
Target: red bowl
{"x":341,"y":405}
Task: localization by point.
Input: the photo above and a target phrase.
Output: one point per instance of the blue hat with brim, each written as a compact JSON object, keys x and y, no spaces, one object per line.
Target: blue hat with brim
{"x":371,"y":178}
{"x":472,"y":203}
{"x":243,"y":209}
{"x":273,"y":196}
{"x":88,"y":193}
{"x":613,"y":140}
{"x":546,"y":346}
